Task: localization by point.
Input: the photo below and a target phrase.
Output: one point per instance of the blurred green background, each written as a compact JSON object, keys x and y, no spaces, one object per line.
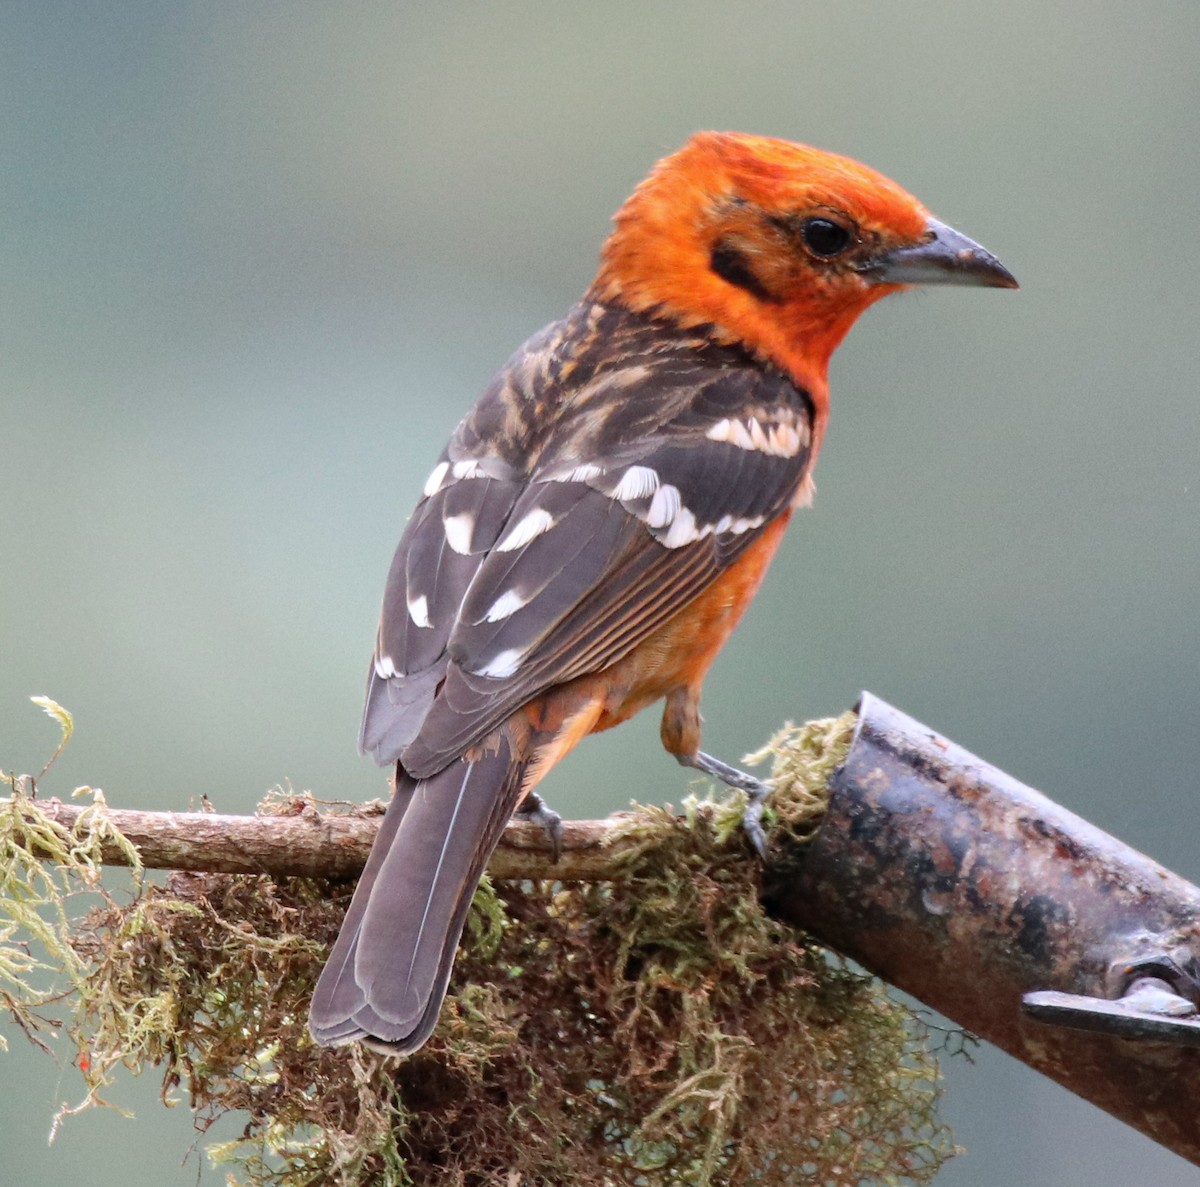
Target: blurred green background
{"x":259,"y":258}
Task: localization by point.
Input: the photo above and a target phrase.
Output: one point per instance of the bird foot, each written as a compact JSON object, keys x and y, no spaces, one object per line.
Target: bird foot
{"x":533,"y":808}
{"x":757,"y":792}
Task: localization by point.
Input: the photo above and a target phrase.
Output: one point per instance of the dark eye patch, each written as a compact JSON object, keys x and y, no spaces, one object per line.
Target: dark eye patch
{"x":730,"y":263}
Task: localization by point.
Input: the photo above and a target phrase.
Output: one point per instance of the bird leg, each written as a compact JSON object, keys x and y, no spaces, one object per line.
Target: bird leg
{"x":533,"y":808}
{"x":681,"y":737}
{"x":756,"y":791}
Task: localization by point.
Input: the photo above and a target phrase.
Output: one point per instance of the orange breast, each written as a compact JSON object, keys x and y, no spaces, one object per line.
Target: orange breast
{"x":679,"y":654}
{"x":675,"y":658}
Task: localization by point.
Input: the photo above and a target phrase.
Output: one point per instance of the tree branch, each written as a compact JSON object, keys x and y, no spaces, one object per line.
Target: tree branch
{"x":987,"y":901}
{"x":313,"y":844}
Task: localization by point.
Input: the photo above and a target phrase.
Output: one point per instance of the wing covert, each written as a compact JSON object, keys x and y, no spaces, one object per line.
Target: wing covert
{"x":644,"y":481}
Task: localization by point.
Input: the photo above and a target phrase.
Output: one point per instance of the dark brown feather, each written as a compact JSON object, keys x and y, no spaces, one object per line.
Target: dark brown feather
{"x":558,"y":433}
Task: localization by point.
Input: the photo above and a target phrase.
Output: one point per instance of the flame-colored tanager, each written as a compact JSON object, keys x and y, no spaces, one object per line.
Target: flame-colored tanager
{"x":601,"y":519}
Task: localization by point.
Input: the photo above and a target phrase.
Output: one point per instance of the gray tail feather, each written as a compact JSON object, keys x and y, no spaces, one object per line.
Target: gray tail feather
{"x":386,"y":976}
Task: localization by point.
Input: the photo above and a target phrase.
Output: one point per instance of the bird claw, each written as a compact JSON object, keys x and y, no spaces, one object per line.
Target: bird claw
{"x":757,"y":792}
{"x":752,"y":818}
{"x":534,"y":809}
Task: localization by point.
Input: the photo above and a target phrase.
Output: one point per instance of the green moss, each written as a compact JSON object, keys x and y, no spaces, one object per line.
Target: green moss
{"x":655,"y":1029}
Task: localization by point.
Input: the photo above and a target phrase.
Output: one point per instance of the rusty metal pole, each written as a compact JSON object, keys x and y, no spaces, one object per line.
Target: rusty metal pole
{"x":1011,"y":916}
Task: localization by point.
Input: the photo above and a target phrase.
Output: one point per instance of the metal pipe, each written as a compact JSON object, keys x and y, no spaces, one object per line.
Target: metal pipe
{"x":972,"y":892}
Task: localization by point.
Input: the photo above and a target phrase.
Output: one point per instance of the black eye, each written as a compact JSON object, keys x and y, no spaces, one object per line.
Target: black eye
{"x":823,"y":237}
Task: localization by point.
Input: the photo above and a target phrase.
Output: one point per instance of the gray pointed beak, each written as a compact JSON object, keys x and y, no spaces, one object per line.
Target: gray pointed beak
{"x":944,"y":257}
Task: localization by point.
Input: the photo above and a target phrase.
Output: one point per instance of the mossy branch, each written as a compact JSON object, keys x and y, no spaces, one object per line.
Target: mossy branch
{"x":296,"y":839}
{"x":628,"y":1016}
{"x":291,"y":836}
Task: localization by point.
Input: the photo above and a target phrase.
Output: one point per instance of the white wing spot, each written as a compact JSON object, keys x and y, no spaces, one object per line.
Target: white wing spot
{"x":418,"y":611}
{"x":529,"y":527}
{"x":636,"y":483}
{"x":664,"y":506}
{"x":683,"y":530}
{"x":727,"y":523}
{"x":459,"y":530}
{"x":732,"y":432}
{"x":433,"y":483}
{"x":466,"y":469}
{"x":784,"y":439}
{"x":384,"y":668}
{"x":720,"y":430}
{"x":585,"y":473}
{"x":503,"y":665}
{"x":506,"y":605}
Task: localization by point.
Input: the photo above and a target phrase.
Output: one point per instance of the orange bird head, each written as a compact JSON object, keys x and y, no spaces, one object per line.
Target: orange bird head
{"x":778,"y":246}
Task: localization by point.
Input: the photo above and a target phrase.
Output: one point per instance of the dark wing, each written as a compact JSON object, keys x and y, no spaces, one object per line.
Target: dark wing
{"x":465,"y":505}
{"x":568,"y":573}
